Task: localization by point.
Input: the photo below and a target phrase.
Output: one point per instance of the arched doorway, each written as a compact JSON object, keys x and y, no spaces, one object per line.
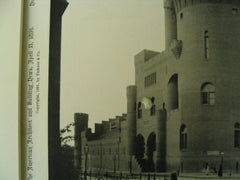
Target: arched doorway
{"x":140,"y":146}
{"x":140,"y":151}
{"x":151,"y":147}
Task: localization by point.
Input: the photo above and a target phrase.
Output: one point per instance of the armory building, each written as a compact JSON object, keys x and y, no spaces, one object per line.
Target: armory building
{"x":183,"y":112}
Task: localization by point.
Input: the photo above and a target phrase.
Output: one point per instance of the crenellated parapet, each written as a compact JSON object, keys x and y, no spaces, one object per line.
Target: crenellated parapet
{"x":101,"y":129}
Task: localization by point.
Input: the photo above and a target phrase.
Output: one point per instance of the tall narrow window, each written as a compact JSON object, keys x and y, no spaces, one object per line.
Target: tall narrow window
{"x":145,"y":82}
{"x":155,"y":78}
{"x":208,"y":94}
{"x":183,"y":137}
{"x":139,"y":110}
{"x":152,"y":110}
{"x":172,"y":92}
{"x":237,"y":135}
{"x":206,"y":45}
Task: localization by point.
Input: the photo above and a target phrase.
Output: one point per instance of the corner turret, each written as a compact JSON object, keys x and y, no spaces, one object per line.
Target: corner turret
{"x":170,"y":23}
{"x":81,"y":124}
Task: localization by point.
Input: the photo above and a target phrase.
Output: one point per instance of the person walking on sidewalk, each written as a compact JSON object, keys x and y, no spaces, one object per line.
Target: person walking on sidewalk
{"x":207,"y":169}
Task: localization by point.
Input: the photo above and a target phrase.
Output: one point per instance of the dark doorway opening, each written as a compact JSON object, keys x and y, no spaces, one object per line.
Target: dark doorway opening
{"x":140,"y":147}
{"x":151,"y":147}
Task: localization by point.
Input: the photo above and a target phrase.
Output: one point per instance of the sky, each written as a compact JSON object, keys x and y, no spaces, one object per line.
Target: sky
{"x":99,"y":41}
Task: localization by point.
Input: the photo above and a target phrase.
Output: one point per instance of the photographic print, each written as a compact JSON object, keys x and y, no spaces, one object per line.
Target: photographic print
{"x":130,"y":89}
{"x":166,"y":74}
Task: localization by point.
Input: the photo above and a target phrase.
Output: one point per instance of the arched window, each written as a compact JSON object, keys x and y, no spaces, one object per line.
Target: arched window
{"x":139,"y":112}
{"x":153,"y":109}
{"x":237,"y":135}
{"x":208,"y":94}
{"x":173,"y":92}
{"x":183,"y":137}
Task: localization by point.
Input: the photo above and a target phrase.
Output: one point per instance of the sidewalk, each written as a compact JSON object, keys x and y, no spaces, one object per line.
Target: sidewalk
{"x":203,"y":176}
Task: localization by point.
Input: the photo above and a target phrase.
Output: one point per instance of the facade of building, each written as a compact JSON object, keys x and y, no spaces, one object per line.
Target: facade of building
{"x":183,"y":111}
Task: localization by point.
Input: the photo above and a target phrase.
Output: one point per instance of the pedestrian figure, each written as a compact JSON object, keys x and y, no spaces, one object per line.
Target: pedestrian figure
{"x":207,"y":169}
{"x":206,"y":164}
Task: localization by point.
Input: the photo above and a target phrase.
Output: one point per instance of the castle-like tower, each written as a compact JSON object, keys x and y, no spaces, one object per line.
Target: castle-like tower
{"x":183,"y":112}
{"x":208,"y":77}
{"x":197,"y":76}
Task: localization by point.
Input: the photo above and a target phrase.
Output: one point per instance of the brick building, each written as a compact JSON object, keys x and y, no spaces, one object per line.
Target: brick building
{"x":183,"y":111}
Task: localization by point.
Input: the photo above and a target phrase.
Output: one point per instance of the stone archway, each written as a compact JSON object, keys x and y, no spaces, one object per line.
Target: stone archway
{"x":140,"y":151}
{"x":151,"y":147}
{"x":140,"y":147}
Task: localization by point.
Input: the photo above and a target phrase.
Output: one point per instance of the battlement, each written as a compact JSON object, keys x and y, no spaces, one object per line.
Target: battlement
{"x":101,"y":129}
{"x":181,"y":4}
{"x":144,"y":58}
{"x":145,"y":55}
